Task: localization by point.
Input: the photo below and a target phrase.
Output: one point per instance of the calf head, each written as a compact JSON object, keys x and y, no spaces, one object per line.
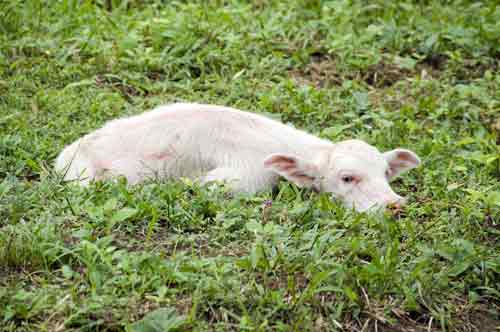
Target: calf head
{"x":353,"y":171}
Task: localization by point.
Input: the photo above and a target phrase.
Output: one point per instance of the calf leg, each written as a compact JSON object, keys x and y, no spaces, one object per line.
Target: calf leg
{"x":74,"y":164}
{"x":241,"y":180}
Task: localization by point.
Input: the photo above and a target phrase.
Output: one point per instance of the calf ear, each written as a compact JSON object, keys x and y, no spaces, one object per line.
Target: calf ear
{"x":302,"y":173}
{"x":400,"y":160}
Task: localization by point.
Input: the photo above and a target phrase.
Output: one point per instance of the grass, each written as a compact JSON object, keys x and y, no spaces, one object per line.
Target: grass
{"x":176,"y":256}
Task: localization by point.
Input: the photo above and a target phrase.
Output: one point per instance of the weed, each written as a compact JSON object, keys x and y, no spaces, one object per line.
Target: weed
{"x":175,"y":256}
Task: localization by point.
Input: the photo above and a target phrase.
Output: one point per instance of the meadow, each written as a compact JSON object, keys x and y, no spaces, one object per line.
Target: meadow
{"x":177,"y":256}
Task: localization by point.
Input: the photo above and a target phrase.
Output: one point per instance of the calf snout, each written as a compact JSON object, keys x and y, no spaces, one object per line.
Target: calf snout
{"x":396,"y":203}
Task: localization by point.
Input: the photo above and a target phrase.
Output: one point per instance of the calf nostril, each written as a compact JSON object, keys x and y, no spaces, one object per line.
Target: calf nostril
{"x":396,"y":204}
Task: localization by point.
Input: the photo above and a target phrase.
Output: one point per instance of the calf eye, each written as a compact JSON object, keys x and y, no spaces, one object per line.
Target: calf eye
{"x":347,"y":178}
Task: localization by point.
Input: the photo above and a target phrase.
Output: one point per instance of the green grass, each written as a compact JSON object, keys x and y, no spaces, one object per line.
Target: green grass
{"x":176,"y":256}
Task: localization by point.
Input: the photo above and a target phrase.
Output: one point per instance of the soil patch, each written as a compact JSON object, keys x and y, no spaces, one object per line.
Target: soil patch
{"x":323,"y":71}
{"x":118,"y":84}
{"x":320,"y":72}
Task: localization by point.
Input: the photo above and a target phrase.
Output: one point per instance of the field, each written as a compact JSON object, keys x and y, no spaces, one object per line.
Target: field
{"x":176,"y":256}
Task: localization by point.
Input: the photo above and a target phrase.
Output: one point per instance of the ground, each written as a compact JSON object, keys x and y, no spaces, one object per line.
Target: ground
{"x":174,"y":256}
